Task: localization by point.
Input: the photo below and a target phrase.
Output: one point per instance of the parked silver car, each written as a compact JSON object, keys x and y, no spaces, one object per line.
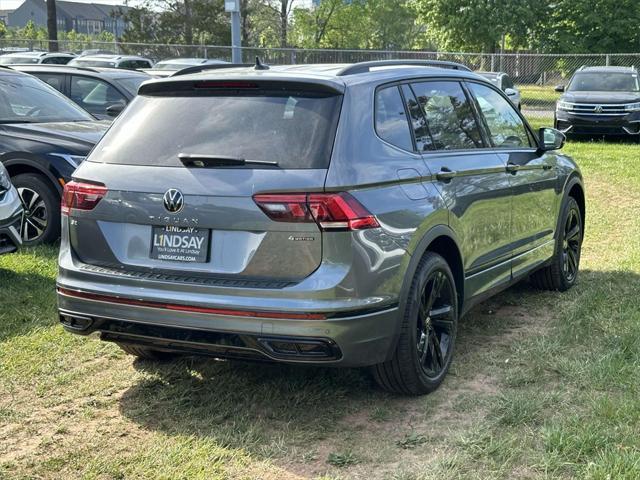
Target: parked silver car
{"x":10,"y":214}
{"x":505,"y":83}
{"x":340,"y":215}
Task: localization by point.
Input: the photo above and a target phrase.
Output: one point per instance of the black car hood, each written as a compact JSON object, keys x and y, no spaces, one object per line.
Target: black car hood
{"x":601,"y":97}
{"x":81,"y":136}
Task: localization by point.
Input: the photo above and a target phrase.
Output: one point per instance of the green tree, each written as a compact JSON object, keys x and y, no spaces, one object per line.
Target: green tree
{"x":478,"y":25}
{"x":377,"y":24}
{"x":591,"y":26}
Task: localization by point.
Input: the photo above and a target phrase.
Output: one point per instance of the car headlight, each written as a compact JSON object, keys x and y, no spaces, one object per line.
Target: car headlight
{"x":73,"y":160}
{"x":632,"y":107}
{"x":5,"y":181}
{"x":564,"y":105}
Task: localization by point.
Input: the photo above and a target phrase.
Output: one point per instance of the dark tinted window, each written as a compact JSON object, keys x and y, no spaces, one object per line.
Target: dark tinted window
{"x":506,"y":128}
{"x":391,"y":119}
{"x":56,"y":80}
{"x":418,"y":122}
{"x":94,"y":95}
{"x":56,"y":60}
{"x":507,"y":82}
{"x":449,"y":115}
{"x":604,"y":81}
{"x":296,"y":130}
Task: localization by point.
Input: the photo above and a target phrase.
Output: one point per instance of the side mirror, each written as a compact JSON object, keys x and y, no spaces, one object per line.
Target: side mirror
{"x":559,"y":88}
{"x":550,"y":139}
{"x":115,"y":109}
{"x":510,"y":92}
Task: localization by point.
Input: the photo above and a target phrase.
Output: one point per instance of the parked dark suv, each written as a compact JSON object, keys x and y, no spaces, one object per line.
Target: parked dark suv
{"x":44,"y":136}
{"x":340,"y":215}
{"x":600,"y":101}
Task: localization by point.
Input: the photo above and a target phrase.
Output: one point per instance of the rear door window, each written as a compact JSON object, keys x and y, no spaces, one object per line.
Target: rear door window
{"x":56,"y":80}
{"x":449,"y":115}
{"x":391,"y":119}
{"x":295,"y":129}
{"x":94,"y":95}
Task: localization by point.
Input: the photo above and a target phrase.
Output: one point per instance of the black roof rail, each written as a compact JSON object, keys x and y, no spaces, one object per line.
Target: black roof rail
{"x":211,"y":66}
{"x":364,"y":67}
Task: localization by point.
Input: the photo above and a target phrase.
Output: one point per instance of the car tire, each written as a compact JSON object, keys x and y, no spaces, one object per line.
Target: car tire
{"x":146,"y":353}
{"x":562,"y":273}
{"x":42,"y":209}
{"x":427,"y":334}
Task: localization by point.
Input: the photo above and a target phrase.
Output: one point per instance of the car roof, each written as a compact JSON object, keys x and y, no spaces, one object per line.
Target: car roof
{"x":7,"y":71}
{"x":105,"y":56}
{"x":39,"y":54}
{"x":191,"y":61}
{"x":97,"y":71}
{"x":605,"y":68}
{"x":332,"y":75}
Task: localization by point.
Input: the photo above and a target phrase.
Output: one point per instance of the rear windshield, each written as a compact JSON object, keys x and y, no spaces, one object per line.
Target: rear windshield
{"x":295,"y":130}
{"x":603,"y":81}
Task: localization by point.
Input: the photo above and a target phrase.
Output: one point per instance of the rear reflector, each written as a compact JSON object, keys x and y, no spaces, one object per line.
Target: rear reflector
{"x":331,"y":211}
{"x":81,"y":196}
{"x":191,"y":309}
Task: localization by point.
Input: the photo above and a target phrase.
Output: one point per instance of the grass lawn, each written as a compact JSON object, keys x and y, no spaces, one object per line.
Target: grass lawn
{"x":538,"y":97}
{"x":543,"y":385}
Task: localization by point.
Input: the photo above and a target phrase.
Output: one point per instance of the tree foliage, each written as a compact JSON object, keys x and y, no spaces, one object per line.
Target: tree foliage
{"x":374,"y":24}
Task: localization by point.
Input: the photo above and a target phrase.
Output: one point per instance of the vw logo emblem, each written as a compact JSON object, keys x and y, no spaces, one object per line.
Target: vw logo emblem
{"x":173,"y":200}
{"x":598,"y":109}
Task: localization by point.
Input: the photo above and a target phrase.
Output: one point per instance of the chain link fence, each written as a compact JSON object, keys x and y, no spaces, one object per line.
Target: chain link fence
{"x":534,"y":74}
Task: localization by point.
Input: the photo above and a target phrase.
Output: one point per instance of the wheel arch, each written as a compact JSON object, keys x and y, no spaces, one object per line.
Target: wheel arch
{"x":17,"y":166}
{"x":574,"y":188}
{"x":442,"y":240}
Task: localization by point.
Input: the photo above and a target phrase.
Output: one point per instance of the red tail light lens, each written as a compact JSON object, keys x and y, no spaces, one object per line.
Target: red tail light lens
{"x":81,"y":196}
{"x":331,"y":211}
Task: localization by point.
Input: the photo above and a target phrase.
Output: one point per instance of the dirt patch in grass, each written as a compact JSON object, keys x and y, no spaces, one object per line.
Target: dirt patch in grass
{"x":419,"y":431}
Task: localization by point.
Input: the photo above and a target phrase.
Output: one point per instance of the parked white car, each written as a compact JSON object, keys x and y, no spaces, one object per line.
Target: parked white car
{"x":504,"y":83}
{"x":127,"y":62}
{"x":46,"y":58}
{"x":10,"y":214}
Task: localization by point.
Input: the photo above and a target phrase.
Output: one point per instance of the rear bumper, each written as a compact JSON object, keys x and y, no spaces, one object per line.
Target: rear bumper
{"x":352,"y":339}
{"x":10,"y":221}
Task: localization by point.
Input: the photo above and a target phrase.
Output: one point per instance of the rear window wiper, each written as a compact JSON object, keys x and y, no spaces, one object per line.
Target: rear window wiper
{"x":203,"y":161}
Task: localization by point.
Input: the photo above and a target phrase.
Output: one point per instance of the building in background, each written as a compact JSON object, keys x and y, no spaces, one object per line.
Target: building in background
{"x":88,"y":18}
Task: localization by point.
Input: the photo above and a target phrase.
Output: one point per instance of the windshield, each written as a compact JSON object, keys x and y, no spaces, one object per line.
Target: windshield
{"x":295,"y":130}
{"x":91,"y":63}
{"x":604,"y":82}
{"x":25,"y":99}
{"x":12,"y":60}
{"x":131,"y":84}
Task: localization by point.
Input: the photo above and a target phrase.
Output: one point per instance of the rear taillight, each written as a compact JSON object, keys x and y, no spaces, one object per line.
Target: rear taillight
{"x":331,"y":211}
{"x":81,"y":196}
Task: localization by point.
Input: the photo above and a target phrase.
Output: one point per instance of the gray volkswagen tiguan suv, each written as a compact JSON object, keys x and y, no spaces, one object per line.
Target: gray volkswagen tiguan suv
{"x":342,"y":215}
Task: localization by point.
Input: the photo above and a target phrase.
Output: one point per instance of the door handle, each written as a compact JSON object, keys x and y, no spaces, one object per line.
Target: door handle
{"x":445,"y":174}
{"x":512,"y":167}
